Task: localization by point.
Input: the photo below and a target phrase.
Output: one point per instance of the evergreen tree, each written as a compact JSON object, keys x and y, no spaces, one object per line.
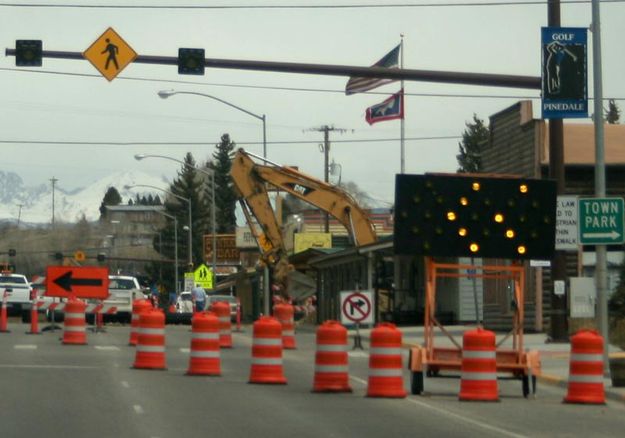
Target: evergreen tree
{"x":130,"y":201}
{"x":473,"y":139}
{"x":111,"y":197}
{"x":613,"y":113}
{"x":157,"y":200}
{"x":225,"y":198}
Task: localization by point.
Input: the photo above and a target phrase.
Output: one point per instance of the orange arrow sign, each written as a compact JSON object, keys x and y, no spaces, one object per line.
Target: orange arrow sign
{"x":77,"y":281}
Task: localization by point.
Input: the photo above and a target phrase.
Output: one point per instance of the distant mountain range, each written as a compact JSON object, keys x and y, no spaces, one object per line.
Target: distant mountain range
{"x":69,"y":206}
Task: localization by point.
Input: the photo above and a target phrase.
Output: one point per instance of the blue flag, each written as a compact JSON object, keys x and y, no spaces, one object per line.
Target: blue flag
{"x":391,"y":109}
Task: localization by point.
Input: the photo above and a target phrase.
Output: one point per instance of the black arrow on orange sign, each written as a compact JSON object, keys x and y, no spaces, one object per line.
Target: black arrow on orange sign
{"x":66,"y":281}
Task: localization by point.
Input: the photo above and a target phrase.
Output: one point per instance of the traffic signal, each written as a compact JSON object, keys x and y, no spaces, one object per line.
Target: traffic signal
{"x":470,"y":216}
{"x":58,"y":256}
{"x":28,"y":53}
{"x":101,"y":257}
{"x":12,"y":252}
{"x":190,"y":61}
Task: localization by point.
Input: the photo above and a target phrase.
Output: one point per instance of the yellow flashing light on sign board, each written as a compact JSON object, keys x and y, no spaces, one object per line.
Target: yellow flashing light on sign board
{"x":110,"y":54}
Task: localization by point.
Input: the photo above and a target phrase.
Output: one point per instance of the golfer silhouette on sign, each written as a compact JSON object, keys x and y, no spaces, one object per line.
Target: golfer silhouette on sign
{"x":557,"y":55}
{"x":112,"y":51}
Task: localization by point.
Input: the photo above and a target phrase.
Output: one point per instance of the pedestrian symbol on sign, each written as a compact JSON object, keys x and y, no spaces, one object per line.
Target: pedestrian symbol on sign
{"x":112,"y":50}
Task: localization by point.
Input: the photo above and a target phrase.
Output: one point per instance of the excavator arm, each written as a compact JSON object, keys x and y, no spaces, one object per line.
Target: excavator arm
{"x":252,"y":180}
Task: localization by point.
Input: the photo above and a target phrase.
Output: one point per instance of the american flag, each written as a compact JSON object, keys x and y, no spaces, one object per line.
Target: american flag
{"x":359,"y":85}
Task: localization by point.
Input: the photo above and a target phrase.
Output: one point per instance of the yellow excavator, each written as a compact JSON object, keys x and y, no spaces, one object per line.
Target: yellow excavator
{"x":253,"y":181}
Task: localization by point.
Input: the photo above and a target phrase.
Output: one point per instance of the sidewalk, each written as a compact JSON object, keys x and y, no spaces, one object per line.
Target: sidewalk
{"x":554,"y":356}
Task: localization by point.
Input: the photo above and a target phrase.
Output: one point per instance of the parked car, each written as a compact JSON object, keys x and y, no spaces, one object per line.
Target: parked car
{"x":210,"y":299}
{"x":123,"y":290}
{"x":184,"y":309}
{"x":18,"y":291}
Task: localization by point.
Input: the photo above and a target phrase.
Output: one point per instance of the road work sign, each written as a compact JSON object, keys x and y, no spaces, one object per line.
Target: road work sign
{"x":357,"y":307}
{"x":78,"y":281}
{"x":110,"y":54}
{"x":601,"y":221}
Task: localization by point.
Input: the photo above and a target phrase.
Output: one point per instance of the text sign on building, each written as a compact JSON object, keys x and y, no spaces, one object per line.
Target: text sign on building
{"x":566,"y":223}
{"x":601,"y":221}
{"x":227,"y":251}
{"x":110,"y":54}
{"x":564,"y":72}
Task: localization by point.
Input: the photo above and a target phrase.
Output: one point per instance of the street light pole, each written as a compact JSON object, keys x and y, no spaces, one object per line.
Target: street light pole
{"x":210,"y":173}
{"x":164,"y":94}
{"x":175,"y":245}
{"x":189,"y":203}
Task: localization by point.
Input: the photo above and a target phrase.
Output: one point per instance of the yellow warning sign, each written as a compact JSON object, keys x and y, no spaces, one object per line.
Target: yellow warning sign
{"x":203,"y":276}
{"x":110,"y":54}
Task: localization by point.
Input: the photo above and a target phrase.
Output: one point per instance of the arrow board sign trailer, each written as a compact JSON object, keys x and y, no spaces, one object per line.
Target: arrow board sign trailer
{"x":77,"y":281}
{"x":357,"y":307}
{"x":601,"y":221}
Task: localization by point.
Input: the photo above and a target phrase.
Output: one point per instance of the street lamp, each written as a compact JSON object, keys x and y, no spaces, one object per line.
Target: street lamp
{"x":164,"y":94}
{"x":188,"y":201}
{"x":175,"y":245}
{"x":211,"y":174}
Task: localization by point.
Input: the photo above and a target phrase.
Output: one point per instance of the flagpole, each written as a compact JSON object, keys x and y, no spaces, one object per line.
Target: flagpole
{"x":402,"y":127}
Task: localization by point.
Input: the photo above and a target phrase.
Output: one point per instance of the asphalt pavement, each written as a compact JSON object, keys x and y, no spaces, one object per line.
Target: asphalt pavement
{"x":555,"y":357}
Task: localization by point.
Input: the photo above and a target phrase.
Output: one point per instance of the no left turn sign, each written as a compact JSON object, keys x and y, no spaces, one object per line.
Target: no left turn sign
{"x":356,"y":307}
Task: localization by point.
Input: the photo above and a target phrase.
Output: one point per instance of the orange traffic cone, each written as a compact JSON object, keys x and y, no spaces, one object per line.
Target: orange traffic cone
{"x":151,"y":341}
{"x":205,"y":359}
{"x":479,"y":366}
{"x":586,"y":369}
{"x":138,"y":307}
{"x":3,"y":314}
{"x":385,"y":369}
{"x":267,"y":352}
{"x":74,"y":326}
{"x":34,"y":319}
{"x":331,"y":360}
{"x":284,"y":312}
{"x":222,"y":310}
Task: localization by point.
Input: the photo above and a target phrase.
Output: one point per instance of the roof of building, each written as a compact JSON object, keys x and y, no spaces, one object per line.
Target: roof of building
{"x":123,"y":207}
{"x":579,"y":144}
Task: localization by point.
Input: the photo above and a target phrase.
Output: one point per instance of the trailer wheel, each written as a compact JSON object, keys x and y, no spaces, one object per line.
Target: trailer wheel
{"x":416,"y":382}
{"x":526,"y":386}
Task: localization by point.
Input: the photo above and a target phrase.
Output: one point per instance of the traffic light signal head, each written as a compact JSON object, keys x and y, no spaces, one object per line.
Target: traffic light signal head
{"x":101,"y":257}
{"x":28,"y":53}
{"x":190,"y":61}
{"x":12,"y":252}
{"x":58,"y":256}
{"x":469,"y":216}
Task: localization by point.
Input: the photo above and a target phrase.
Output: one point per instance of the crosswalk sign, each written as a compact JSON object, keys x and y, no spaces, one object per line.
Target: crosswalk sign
{"x":203,"y":276}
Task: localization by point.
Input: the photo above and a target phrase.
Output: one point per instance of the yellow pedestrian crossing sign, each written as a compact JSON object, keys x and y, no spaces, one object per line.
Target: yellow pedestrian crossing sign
{"x":203,"y":276}
{"x":110,"y":54}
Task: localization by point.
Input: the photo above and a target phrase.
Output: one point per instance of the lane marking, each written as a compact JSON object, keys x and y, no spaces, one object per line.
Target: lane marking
{"x":125,"y":384}
{"x":442,"y":411}
{"x":138,"y":409}
{"x":106,"y":348}
{"x":185,"y":350}
{"x":357,"y":354}
{"x":25,"y":347}
{"x":53,"y":367}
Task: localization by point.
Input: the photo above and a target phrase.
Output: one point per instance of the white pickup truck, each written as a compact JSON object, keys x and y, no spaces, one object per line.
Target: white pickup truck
{"x":18,"y":292}
{"x":123,"y":290}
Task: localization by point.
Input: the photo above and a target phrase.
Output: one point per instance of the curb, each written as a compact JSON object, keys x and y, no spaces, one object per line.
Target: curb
{"x":561,"y":382}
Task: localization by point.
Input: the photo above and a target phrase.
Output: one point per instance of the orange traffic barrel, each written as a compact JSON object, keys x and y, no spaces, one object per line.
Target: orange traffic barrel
{"x":478,"y":379}
{"x":151,"y":340}
{"x":385,"y":369}
{"x":205,"y":359}
{"x":331,"y":360}
{"x":138,"y":307}
{"x":222,"y":310}
{"x":74,"y":325}
{"x":586,"y":369}
{"x":267,"y":352}
{"x":284,"y":313}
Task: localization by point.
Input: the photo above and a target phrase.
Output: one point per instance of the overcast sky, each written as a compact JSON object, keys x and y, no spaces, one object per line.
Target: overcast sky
{"x":68,"y":101}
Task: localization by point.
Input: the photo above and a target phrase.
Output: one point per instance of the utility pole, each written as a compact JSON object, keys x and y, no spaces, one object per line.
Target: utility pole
{"x":53,"y":180}
{"x":325,"y":148}
{"x":558,"y":326}
{"x":19,"y":214}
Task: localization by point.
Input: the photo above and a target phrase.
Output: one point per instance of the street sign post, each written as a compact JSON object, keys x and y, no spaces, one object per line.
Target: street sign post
{"x":77,"y":281}
{"x":110,"y":54}
{"x":601,"y":221}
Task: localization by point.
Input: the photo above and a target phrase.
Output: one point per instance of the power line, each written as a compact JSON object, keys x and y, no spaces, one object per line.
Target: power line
{"x":209,"y":143}
{"x":303,"y":7}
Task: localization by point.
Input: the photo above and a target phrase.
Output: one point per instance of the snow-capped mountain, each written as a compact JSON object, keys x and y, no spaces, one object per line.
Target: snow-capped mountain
{"x":36,"y":202}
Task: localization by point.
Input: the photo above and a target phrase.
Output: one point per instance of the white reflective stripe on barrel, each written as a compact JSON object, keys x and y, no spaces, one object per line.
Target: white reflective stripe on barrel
{"x":385,"y":351}
{"x":266,"y":361}
{"x":151,"y":331}
{"x":204,"y":335}
{"x":478,"y":376}
{"x":267,"y":341}
{"x":331,"y":368}
{"x":385,"y":372}
{"x":576,"y":357}
{"x":150,"y":348}
{"x":73,"y":328}
{"x":332,"y":347}
{"x":586,"y":378}
{"x":208,"y":354}
{"x":474,"y":354}
{"x":74,"y":315}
